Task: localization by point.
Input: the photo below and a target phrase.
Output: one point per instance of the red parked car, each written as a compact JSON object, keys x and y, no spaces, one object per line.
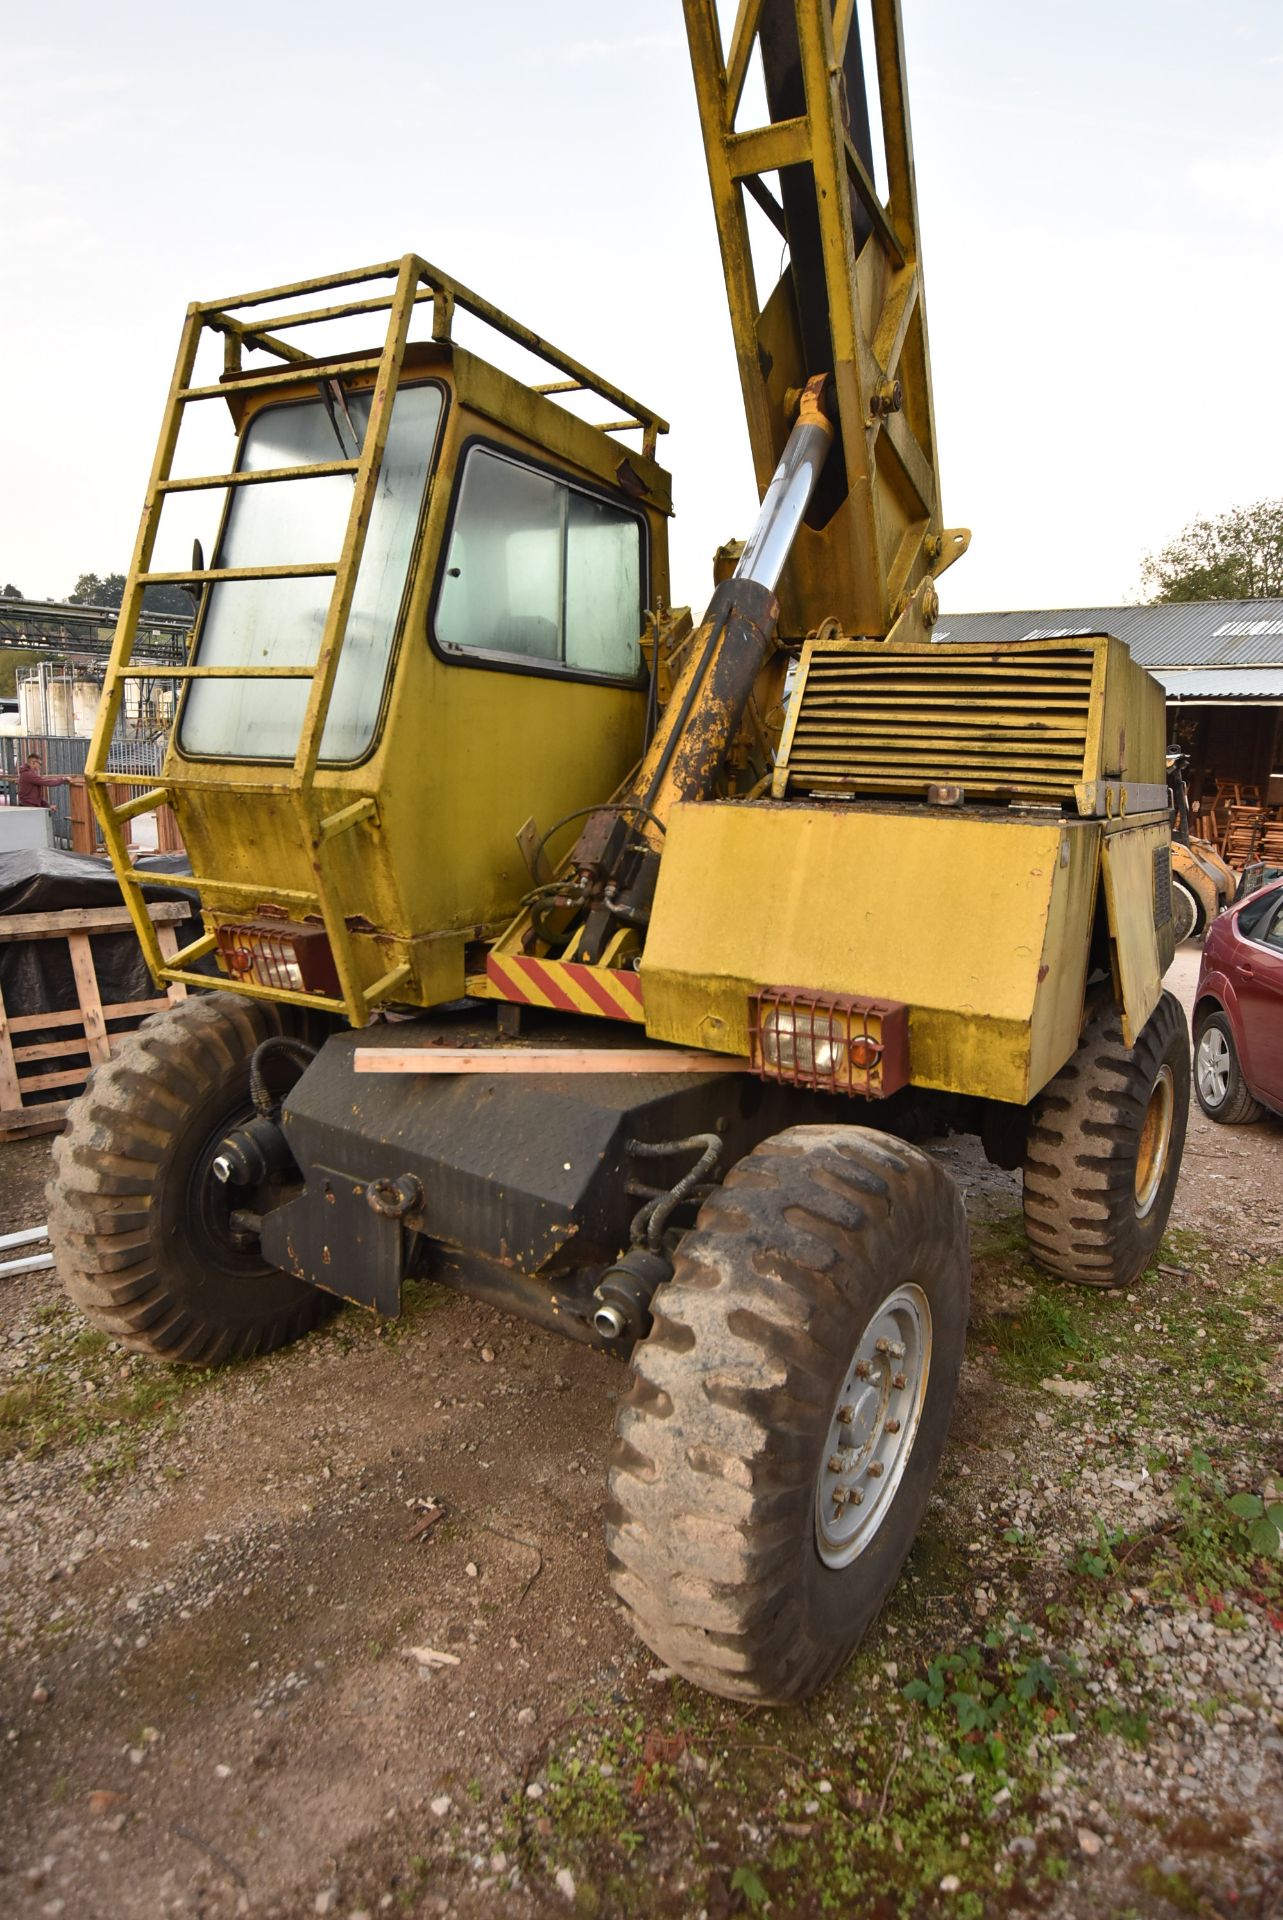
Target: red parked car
{"x":1238,"y":1011}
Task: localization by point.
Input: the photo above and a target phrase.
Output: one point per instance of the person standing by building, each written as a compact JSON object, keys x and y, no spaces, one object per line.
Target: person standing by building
{"x":32,"y":784}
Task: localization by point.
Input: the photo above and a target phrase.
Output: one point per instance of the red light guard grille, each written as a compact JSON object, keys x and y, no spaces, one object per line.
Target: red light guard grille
{"x":829,"y":1042}
{"x":289,"y":956}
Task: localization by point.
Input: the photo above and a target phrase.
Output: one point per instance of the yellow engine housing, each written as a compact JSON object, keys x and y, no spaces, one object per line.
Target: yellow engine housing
{"x":979,"y":917}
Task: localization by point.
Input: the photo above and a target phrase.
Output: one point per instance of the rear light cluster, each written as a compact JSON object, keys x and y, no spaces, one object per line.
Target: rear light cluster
{"x":289,"y":955}
{"x":833,"y":1042}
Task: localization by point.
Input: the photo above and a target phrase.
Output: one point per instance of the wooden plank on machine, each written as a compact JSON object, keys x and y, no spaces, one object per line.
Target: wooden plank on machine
{"x":544,"y":1060}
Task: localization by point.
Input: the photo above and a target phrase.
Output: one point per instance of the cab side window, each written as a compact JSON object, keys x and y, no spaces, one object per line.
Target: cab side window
{"x":540,"y":571}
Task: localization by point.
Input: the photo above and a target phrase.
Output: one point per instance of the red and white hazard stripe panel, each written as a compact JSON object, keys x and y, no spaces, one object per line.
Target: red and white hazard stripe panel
{"x":567,"y":985}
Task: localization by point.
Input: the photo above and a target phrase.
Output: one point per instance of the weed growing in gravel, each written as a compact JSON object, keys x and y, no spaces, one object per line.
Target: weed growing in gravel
{"x":1225,"y":1542}
{"x":79,"y":1388}
{"x":1099,"y":1560}
{"x":869,"y":1806}
{"x":999,"y":1692}
{"x":1179,"y":1331}
{"x":1217,"y":1543}
{"x":1046,"y":1336}
{"x":353,"y":1327}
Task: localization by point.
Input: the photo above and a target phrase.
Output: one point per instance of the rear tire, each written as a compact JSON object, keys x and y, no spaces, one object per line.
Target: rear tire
{"x":137,"y":1223}
{"x":1187,"y":914}
{"x":1104,"y":1149}
{"x":725,"y":1544}
{"x":1219,"y":1086}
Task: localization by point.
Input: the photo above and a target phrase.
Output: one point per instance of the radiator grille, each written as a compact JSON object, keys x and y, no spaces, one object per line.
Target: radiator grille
{"x":1162,"y":886}
{"x":1002,"y":724}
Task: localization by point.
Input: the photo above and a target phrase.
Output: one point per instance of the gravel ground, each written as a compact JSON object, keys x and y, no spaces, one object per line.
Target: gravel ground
{"x":331,"y":1632}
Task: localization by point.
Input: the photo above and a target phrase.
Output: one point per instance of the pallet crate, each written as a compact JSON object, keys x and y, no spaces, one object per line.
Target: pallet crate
{"x":94,"y":1026}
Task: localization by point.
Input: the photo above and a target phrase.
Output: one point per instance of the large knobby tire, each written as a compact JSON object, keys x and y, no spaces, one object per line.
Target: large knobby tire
{"x":828,"y":1250}
{"x":1219,"y":1085}
{"x":138,"y":1226}
{"x":1104,"y":1149}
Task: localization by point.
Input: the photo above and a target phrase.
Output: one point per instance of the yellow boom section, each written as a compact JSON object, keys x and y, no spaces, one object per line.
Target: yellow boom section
{"x":849,"y":300}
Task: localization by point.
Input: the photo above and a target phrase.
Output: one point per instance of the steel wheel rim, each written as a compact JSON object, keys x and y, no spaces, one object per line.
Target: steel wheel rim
{"x":1213,"y":1066}
{"x":872,"y":1426}
{"x":1184,"y":911}
{"x":1155,"y":1140}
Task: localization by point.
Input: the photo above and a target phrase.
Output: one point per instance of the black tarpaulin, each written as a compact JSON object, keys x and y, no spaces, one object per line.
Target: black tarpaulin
{"x":35,"y":974}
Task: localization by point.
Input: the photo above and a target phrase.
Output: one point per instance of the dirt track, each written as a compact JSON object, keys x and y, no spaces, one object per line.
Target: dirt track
{"x":214,"y":1590}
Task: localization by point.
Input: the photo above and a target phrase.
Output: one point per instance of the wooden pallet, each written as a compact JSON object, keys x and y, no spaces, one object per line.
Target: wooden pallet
{"x":96,"y":1026}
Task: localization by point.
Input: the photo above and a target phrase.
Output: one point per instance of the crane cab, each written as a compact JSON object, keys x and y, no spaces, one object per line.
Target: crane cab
{"x":420,"y":628}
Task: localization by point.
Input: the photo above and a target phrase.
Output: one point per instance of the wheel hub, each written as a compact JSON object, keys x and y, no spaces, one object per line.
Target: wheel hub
{"x":1213,"y":1066}
{"x":1155,"y":1139}
{"x":212,"y":1204}
{"x":873,"y":1426}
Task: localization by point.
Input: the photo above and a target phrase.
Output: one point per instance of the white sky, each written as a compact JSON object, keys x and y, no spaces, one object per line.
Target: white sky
{"x":1101,"y":195}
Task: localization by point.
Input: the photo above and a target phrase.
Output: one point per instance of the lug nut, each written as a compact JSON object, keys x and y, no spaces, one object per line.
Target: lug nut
{"x":846,"y":1415}
{"x":840,"y":1496}
{"x":837,"y":1463}
{"x":876,"y":1469}
{"x":892,"y":1426}
{"x":900,"y":1380}
{"x":896,"y":1350}
{"x":882,"y":1346}
{"x":862,"y":1369}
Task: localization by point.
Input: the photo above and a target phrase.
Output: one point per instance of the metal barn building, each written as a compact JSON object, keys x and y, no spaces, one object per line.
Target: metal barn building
{"x":1221,"y":665}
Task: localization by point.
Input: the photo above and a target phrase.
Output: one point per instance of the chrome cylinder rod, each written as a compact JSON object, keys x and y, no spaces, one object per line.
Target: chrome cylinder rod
{"x":789,"y":494}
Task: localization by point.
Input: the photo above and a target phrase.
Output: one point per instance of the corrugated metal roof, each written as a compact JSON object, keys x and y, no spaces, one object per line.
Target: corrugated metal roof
{"x":1199,"y":633}
{"x":1220,"y":683}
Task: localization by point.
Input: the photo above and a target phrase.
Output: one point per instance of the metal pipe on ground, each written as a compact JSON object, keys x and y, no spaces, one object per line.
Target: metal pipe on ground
{"x":30,"y":1263}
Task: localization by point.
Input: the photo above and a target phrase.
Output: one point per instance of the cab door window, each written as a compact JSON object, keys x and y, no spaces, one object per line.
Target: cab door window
{"x":540,"y":572}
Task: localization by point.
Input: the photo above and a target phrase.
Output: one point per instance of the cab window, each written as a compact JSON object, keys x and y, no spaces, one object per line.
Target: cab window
{"x":540,"y":572}
{"x":279,"y":623}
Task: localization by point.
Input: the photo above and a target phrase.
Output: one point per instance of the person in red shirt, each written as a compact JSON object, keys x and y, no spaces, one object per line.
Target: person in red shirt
{"x":32,"y":784}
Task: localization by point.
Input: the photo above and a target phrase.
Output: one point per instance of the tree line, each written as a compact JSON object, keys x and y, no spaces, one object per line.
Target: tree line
{"x":108,"y":590}
{"x":90,"y":590}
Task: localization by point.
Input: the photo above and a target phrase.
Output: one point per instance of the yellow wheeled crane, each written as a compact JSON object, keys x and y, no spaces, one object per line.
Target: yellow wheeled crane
{"x":605,"y":966}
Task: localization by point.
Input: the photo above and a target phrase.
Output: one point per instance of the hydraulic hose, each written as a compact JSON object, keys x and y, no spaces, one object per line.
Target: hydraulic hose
{"x":651,"y":1220}
{"x":265,"y":1101}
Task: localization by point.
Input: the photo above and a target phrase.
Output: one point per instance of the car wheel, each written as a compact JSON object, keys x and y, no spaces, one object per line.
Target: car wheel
{"x":1219,"y":1086}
